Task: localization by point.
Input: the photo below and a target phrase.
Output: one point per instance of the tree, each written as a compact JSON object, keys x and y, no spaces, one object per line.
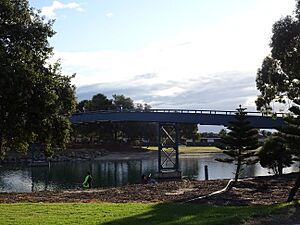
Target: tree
{"x":278,"y":79}
{"x":188,"y":131}
{"x":115,"y":130}
{"x":122,"y":102}
{"x":275,"y":154}
{"x":141,"y":107}
{"x":99,"y":102}
{"x":82,"y":105}
{"x":291,"y":135}
{"x":222,"y":132}
{"x":240,"y":142}
{"x":35,"y":98}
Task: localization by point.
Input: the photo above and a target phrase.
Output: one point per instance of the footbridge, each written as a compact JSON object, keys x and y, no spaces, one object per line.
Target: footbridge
{"x":202,"y":117}
{"x":168,"y":119}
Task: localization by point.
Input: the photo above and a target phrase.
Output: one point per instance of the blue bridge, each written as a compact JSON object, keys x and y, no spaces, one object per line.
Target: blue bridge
{"x":202,"y":117}
{"x":168,"y":119}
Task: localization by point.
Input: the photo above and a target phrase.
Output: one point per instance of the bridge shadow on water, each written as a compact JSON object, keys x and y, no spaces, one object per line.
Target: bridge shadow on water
{"x":177,"y":213}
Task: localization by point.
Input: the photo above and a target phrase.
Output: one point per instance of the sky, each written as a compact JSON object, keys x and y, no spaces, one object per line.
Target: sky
{"x":186,"y":54}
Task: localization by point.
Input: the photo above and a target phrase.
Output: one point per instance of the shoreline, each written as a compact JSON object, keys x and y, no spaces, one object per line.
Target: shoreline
{"x":149,"y":155}
{"x":101,"y":154}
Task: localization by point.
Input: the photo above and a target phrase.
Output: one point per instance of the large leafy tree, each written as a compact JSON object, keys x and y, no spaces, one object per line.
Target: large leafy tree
{"x":240,"y":142}
{"x":99,"y":102}
{"x":115,"y":130}
{"x":35,"y":98}
{"x":123,"y":103}
{"x":275,"y":155}
{"x":278,"y":79}
{"x":82,"y":105}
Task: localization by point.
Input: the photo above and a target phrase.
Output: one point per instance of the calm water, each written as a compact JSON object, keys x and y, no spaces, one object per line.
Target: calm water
{"x":66,"y":175}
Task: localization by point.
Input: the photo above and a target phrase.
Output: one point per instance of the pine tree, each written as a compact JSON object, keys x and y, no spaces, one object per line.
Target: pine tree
{"x":240,"y":142}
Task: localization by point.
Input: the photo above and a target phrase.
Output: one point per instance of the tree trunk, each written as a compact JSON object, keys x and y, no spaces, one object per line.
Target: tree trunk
{"x":2,"y":152}
{"x":238,"y":167}
{"x":280,"y":165}
{"x":237,"y":172}
{"x":294,"y":189}
{"x":280,"y":168}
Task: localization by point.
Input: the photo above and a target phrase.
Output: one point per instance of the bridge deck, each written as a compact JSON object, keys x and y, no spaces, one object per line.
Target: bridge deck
{"x":202,"y":117}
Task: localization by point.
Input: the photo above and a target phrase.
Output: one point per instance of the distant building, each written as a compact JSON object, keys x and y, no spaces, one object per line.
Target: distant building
{"x":204,"y":141}
{"x":210,"y":141}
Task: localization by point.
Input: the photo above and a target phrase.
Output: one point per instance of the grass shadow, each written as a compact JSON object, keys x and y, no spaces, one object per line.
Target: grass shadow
{"x":175,"y":213}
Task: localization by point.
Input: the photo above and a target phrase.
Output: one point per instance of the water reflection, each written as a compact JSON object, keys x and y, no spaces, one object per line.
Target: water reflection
{"x":68,"y":175}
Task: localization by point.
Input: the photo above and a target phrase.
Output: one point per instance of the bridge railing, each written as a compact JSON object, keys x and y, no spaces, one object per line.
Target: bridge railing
{"x":194,"y":111}
{"x":219,"y":112}
{"x":197,"y":111}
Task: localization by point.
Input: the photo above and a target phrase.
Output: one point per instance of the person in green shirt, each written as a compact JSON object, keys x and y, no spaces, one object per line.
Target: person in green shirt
{"x":87,"y":183}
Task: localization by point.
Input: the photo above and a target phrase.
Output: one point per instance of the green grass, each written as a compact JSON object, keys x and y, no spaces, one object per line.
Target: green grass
{"x":193,"y":149}
{"x":129,"y":213}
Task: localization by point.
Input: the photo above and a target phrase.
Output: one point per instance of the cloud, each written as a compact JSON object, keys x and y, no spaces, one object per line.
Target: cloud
{"x":145,"y":76}
{"x":109,"y":14}
{"x":170,"y":75}
{"x":224,"y":91}
{"x":169,"y":59}
{"x":172,"y":91}
{"x":213,"y":67}
{"x":49,"y":11}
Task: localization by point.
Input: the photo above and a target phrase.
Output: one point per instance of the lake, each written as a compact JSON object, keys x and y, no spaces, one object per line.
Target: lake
{"x":70,"y":175}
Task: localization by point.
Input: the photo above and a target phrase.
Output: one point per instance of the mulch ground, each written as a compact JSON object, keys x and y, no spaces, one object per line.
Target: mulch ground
{"x":260,"y":190}
{"x":257,"y":191}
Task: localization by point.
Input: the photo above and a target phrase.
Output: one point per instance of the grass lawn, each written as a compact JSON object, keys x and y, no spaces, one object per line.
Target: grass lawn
{"x":193,"y":149}
{"x":129,"y":213}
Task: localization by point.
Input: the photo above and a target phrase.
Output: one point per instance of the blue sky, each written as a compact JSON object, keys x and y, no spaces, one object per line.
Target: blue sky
{"x":193,"y":54}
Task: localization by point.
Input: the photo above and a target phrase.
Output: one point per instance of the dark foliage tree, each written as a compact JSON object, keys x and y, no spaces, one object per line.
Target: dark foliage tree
{"x":209,"y":134}
{"x":188,"y":131}
{"x":35,"y":98}
{"x":105,"y":130}
{"x":275,"y":154}
{"x":82,"y":106}
{"x":142,"y":107}
{"x":222,"y":132}
{"x":240,"y":142}
{"x":123,"y":103}
{"x":278,"y":80}
{"x":291,"y":135}
{"x":115,"y":131}
{"x":99,"y":102}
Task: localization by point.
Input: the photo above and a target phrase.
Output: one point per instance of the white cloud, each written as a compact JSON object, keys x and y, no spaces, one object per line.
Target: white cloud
{"x":186,"y":70}
{"x":206,"y":53}
{"x":168,"y":92}
{"x":218,"y":93}
{"x":235,"y":45}
{"x":109,"y":14}
{"x":250,"y":101}
{"x":49,"y":11}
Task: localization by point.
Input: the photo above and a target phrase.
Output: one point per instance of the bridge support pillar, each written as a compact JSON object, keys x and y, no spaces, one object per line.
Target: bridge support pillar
{"x":168,"y":154}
